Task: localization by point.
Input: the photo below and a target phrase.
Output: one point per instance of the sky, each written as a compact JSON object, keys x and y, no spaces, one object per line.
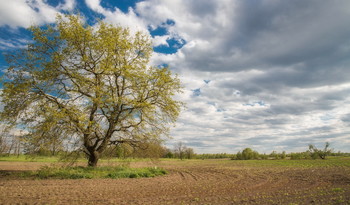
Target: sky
{"x":265,"y":74}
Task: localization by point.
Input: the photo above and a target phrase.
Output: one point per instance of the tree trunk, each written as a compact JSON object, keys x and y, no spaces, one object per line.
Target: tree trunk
{"x":93,"y":159}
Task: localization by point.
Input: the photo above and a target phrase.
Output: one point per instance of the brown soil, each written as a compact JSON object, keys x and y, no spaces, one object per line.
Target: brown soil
{"x":189,"y":182}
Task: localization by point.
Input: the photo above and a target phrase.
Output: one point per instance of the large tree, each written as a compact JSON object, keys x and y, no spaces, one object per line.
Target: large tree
{"x":92,"y":84}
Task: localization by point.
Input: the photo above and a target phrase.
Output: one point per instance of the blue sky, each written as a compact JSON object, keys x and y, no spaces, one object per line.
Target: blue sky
{"x":266,"y":74}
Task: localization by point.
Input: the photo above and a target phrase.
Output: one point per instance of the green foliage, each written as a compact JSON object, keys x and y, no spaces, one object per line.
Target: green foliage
{"x":214,"y":156}
{"x":300,"y":155}
{"x":340,"y":154}
{"x":276,"y":155}
{"x":247,"y":154}
{"x":317,"y":153}
{"x":90,"y":86}
{"x":283,"y":155}
{"x":92,"y":172}
{"x":180,"y":151}
{"x":153,"y":149}
{"x":169,"y":154}
{"x":312,"y":153}
{"x":264,"y":156}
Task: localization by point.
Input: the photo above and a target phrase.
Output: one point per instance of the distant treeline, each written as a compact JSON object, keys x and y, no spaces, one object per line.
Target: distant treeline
{"x":311,"y":153}
{"x":155,"y":149}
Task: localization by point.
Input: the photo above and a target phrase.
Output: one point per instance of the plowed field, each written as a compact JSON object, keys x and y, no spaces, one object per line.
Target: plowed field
{"x":188,"y":182}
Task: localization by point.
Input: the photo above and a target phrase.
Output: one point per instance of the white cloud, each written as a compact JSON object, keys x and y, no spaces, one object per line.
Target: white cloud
{"x":271,"y":75}
{"x":13,"y":44}
{"x":278,"y":72}
{"x":22,"y":13}
{"x":160,"y":40}
{"x":95,"y":5}
{"x":266,"y":120}
{"x":68,"y":5}
{"x":117,"y":17}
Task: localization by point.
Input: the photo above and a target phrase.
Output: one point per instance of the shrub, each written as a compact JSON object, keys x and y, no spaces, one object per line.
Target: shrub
{"x":300,"y":155}
{"x":247,"y":154}
{"x":317,"y":153}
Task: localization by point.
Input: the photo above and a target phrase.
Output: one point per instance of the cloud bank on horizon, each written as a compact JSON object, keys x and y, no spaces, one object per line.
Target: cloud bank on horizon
{"x":266,"y":74}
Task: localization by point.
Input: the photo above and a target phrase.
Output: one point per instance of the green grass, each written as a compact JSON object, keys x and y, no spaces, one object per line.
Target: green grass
{"x":337,"y":190}
{"x":304,"y":163}
{"x":89,"y":172}
{"x":27,"y":158}
{"x":329,"y":162}
{"x":309,"y":163}
{"x":79,"y":172}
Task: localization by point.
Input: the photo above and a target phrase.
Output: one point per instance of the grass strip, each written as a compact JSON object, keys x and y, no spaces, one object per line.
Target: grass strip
{"x":307,"y":163}
{"x":89,"y":172}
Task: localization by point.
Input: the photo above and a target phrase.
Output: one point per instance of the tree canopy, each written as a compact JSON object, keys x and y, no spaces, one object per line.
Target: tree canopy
{"x":315,"y":153}
{"x":90,"y":86}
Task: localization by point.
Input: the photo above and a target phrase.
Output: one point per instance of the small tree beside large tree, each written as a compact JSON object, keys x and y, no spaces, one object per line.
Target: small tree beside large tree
{"x":92,"y":84}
